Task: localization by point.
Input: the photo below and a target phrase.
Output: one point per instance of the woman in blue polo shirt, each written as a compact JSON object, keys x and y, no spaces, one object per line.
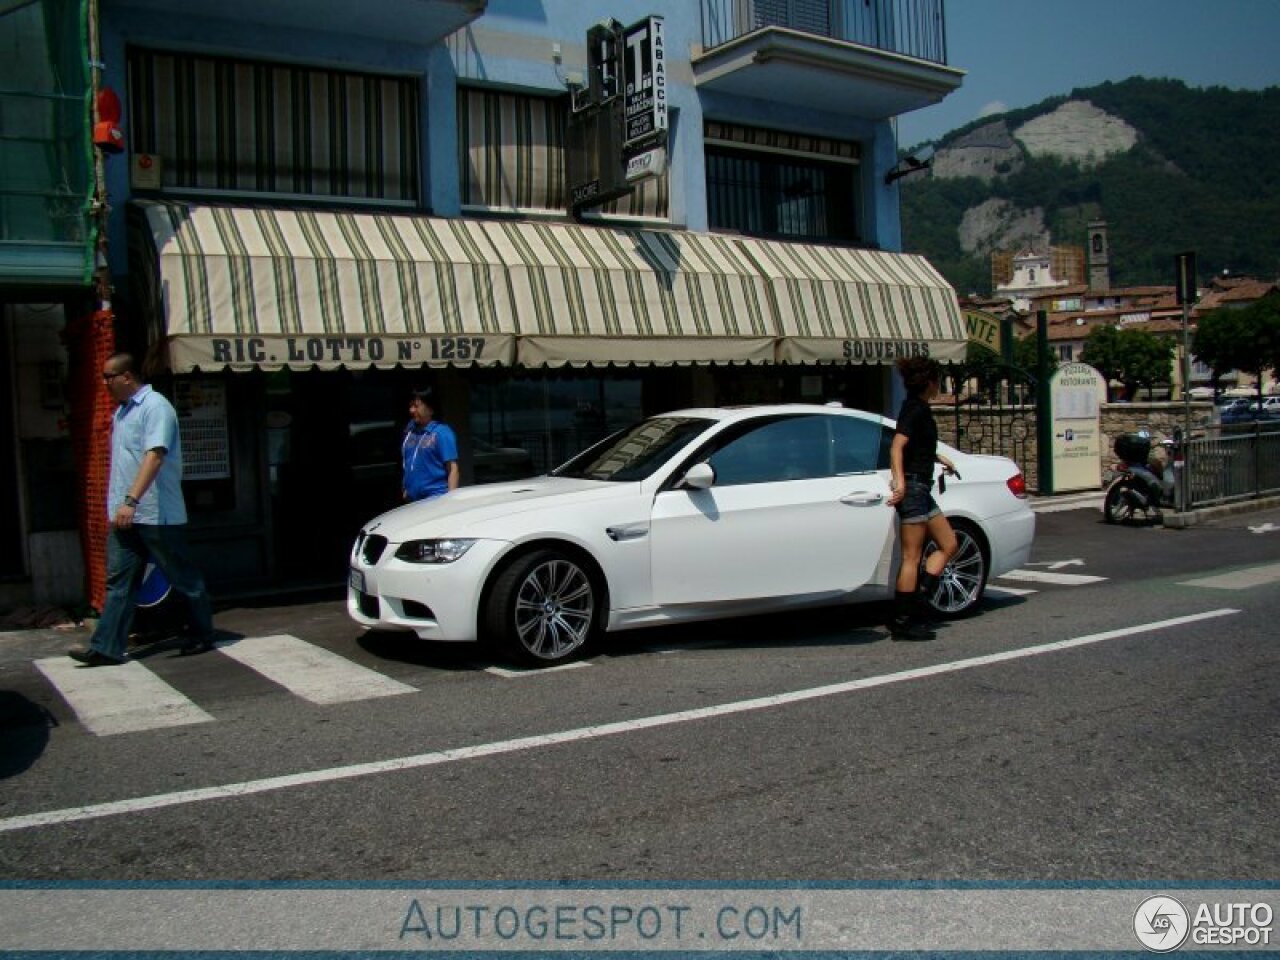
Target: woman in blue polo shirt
{"x":428,"y":451}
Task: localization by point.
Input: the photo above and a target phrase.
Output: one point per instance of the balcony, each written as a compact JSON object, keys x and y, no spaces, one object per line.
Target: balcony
{"x":420,"y":22}
{"x":868,"y":58}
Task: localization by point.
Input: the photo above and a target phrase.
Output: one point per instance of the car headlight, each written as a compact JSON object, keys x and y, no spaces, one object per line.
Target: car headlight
{"x":433,"y":551}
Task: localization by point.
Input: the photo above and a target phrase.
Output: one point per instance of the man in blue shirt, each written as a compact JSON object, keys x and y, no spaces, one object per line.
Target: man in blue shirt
{"x":148,"y":516}
{"x":429,"y":451}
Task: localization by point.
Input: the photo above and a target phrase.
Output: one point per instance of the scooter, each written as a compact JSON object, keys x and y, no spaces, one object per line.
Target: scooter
{"x":1138,"y":483}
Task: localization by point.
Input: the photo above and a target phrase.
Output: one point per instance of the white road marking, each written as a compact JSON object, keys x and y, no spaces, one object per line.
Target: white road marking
{"x":436,"y":758}
{"x":122,"y":699}
{"x":311,"y":672}
{"x":1055,"y":564}
{"x":1238,"y":579}
{"x":999,"y":592}
{"x":1267,"y":527}
{"x":535,"y":671}
{"x":1045,"y":576}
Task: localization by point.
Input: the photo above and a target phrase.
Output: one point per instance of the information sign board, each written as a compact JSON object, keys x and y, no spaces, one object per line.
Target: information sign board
{"x":1077,"y":392}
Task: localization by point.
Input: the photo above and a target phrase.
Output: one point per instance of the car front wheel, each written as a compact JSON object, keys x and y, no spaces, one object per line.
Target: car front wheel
{"x":542,"y":610}
{"x":964,"y":578}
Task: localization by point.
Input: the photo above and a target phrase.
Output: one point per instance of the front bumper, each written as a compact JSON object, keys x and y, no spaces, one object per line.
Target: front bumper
{"x":435,"y":601}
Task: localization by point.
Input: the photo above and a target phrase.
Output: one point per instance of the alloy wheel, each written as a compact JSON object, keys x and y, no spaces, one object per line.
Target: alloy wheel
{"x":554,"y":609}
{"x":962,"y":580}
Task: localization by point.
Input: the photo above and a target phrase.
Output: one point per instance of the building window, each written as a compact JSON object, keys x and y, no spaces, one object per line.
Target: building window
{"x":769,"y":184}
{"x":1065,"y":352}
{"x":267,"y":128}
{"x":512,"y":157}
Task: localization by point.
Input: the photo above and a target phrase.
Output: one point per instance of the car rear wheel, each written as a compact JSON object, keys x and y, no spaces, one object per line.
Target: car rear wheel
{"x":542,"y":610}
{"x":965,"y":577}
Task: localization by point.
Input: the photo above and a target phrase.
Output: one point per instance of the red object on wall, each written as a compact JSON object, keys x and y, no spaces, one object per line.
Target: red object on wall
{"x":90,"y":341}
{"x":107,"y":135}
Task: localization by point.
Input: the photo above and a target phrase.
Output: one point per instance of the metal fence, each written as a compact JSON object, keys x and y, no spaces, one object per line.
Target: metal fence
{"x":915,"y":28}
{"x":1233,"y":463}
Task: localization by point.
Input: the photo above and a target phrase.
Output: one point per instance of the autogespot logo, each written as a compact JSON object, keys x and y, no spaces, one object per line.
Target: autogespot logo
{"x":1161,"y":924}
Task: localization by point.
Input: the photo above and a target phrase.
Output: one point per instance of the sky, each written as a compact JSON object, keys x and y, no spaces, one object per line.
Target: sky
{"x":1018,"y":52}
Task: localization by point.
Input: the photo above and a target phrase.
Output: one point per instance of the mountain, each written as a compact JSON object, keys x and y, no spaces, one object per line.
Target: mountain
{"x":1168,"y":167}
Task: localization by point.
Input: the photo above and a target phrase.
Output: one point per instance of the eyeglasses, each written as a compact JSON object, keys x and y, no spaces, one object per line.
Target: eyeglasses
{"x":108,"y":377}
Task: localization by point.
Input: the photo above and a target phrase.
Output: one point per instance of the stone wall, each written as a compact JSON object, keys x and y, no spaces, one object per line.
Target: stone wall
{"x":1012,"y":432}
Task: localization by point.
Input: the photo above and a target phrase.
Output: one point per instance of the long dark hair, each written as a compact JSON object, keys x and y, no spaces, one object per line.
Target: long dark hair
{"x":918,"y":372}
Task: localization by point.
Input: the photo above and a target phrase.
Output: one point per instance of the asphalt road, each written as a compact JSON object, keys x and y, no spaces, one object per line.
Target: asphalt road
{"x":1120,"y":728}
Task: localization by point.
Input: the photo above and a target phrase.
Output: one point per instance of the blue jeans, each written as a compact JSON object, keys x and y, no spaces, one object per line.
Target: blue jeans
{"x":917,"y":504}
{"x":127,"y":554}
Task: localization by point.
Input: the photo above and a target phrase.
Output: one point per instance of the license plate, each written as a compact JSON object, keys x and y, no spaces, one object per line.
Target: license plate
{"x":356,"y":579}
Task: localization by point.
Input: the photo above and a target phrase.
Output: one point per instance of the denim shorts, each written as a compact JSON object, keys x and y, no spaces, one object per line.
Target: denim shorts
{"x":917,"y":504}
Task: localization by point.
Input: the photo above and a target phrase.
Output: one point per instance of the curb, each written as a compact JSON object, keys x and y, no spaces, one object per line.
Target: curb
{"x":1180,"y":521}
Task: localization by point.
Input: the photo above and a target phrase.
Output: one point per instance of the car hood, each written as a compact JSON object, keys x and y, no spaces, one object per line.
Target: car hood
{"x":469,"y":511}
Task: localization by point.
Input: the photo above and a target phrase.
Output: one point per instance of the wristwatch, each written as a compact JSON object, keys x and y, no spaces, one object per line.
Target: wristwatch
{"x":130,"y":500}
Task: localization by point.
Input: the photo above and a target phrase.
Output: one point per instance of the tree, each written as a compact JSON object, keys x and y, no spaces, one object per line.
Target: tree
{"x":1215,"y":344}
{"x":1246,"y":339}
{"x":1259,"y":331}
{"x":989,"y":370}
{"x":1137,"y":358}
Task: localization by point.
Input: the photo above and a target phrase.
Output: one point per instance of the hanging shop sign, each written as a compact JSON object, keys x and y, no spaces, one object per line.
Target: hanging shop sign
{"x":644,"y":75}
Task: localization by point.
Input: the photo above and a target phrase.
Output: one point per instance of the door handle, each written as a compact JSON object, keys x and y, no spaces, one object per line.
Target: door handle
{"x":862,"y":498}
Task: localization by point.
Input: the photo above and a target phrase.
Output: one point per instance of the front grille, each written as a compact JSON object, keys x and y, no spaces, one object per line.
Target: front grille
{"x":372,"y":549}
{"x":369,"y":606}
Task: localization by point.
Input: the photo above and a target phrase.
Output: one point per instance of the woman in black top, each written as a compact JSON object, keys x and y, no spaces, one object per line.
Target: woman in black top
{"x":911,"y":458}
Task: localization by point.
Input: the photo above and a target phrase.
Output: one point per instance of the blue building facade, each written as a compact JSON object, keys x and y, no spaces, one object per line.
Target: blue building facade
{"x":322,"y":204}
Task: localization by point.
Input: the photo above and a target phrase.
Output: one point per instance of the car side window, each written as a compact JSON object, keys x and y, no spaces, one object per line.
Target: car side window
{"x":857,"y":445}
{"x":795,"y":448}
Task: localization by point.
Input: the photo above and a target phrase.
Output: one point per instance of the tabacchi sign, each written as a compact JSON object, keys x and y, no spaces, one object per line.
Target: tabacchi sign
{"x":644,"y":73}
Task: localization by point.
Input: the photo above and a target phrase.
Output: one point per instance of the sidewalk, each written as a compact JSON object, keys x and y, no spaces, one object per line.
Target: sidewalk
{"x":1055,"y":503}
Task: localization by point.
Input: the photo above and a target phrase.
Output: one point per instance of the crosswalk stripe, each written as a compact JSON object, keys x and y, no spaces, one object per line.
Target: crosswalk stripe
{"x":311,"y":672}
{"x":998,"y":592}
{"x":1238,"y":579}
{"x":1048,"y":576}
{"x":123,"y":699}
{"x":535,"y":671}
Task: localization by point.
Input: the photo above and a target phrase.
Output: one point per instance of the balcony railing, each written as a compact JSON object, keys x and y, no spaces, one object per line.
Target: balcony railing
{"x":915,"y":28}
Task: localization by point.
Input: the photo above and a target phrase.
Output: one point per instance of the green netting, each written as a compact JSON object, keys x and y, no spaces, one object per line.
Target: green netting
{"x":46,"y":158}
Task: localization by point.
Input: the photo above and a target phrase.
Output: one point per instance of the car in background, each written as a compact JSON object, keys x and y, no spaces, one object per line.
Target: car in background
{"x":1244,"y":410}
{"x":691,"y":515}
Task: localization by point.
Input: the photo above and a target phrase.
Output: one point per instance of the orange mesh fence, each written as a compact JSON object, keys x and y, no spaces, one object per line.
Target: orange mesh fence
{"x":90,"y":341}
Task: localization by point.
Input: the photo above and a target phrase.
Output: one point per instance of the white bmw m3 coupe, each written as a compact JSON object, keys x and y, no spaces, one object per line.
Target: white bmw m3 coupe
{"x":690,"y":515}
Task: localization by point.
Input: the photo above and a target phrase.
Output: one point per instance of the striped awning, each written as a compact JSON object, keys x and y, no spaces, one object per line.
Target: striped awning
{"x":588,"y":295}
{"x":841,"y":305}
{"x":241,"y":288}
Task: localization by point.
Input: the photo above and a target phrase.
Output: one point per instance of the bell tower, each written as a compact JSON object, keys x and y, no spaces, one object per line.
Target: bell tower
{"x":1099,"y":256}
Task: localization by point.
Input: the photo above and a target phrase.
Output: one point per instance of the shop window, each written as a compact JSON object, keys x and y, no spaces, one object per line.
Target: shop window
{"x":772,"y":184}
{"x":246,"y":127}
{"x":550,"y":419}
{"x":512,"y":158}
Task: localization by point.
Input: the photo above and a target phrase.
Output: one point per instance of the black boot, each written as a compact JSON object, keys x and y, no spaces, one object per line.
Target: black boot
{"x":903,"y":625}
{"x":928,"y":587}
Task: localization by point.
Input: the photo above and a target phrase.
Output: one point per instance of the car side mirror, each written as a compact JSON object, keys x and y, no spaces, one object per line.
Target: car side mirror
{"x":700,"y":476}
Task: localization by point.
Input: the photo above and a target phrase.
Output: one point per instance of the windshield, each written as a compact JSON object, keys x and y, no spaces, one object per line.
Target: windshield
{"x":636,"y":452}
